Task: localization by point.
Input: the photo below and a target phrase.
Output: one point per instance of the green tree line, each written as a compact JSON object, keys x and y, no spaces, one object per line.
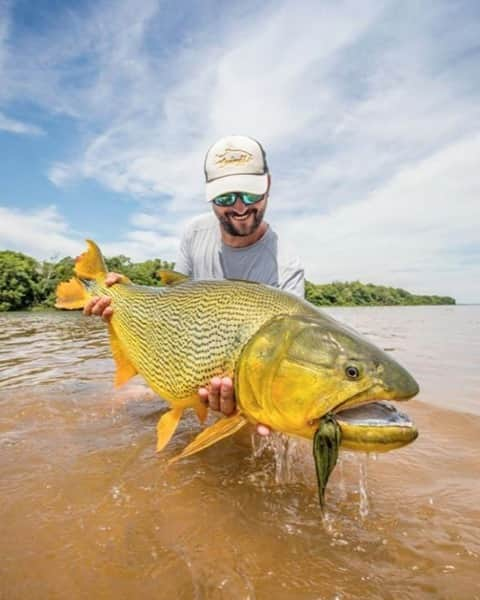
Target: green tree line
{"x":26,"y":283}
{"x":355,"y":293}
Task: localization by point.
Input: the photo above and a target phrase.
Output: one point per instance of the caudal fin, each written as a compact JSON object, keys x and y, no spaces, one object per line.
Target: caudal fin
{"x":90,"y":264}
{"x":72,"y":294}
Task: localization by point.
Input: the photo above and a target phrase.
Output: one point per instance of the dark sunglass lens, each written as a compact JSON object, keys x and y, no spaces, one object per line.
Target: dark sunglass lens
{"x":225,"y":200}
{"x":251,"y":198}
{"x":230,"y":199}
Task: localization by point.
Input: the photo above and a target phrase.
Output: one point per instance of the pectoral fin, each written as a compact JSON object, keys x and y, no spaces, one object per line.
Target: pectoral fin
{"x":216,"y":432}
{"x":166,"y":427}
{"x":125,"y":280}
{"x":125,"y":369}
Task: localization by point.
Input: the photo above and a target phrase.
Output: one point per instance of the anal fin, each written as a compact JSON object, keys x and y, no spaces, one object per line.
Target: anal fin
{"x":166,"y":427}
{"x":125,"y":369}
{"x":213,"y":434}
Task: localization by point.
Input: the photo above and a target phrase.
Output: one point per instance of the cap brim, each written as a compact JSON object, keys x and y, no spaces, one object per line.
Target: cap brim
{"x":253,"y":184}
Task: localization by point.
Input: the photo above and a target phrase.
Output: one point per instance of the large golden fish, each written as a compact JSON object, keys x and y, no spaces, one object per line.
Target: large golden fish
{"x":292,"y":365}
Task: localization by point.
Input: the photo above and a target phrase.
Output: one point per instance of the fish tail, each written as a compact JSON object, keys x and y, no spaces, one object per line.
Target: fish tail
{"x":71,"y":295}
{"x":90,"y":265}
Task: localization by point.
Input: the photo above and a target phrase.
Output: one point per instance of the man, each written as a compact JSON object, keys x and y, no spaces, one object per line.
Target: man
{"x":232,"y":243}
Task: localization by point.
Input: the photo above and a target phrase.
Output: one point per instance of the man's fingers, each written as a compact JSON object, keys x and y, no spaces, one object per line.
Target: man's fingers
{"x":227,"y":402}
{"x":112,"y":278}
{"x":219,"y":395}
{"x":107,"y":314}
{"x":87,"y":309}
{"x":203,"y":393}
{"x":263,"y":430}
{"x":214,"y":393}
{"x":101,"y":305}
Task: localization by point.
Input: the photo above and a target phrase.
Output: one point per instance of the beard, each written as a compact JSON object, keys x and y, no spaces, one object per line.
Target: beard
{"x":242,"y":228}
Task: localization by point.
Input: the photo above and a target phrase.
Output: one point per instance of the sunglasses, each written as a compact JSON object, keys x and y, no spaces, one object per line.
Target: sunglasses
{"x":230,"y":198}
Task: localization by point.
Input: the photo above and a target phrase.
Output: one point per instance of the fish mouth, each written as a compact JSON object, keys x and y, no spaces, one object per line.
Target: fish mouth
{"x":374,"y":424}
{"x":375,"y":427}
{"x":371,"y":424}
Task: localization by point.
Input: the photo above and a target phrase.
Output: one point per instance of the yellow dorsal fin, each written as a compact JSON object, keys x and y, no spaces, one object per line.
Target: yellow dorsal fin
{"x":201,"y":409}
{"x":90,"y":264}
{"x":125,"y":369}
{"x":169,"y":277}
{"x":216,"y":432}
{"x":125,"y":280}
{"x":71,"y":294}
{"x":166,"y":427}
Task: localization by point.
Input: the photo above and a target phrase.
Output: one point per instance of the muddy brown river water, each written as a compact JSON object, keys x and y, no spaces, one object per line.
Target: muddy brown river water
{"x":89,"y":510}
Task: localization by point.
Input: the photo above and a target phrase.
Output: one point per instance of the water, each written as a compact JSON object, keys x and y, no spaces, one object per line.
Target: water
{"x":88,"y":509}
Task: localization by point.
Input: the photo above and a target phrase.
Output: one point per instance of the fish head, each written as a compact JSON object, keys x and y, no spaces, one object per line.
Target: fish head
{"x":296,"y":369}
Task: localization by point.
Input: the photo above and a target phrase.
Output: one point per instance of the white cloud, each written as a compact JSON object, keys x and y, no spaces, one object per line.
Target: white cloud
{"x":45,"y":234}
{"x":162,"y":223}
{"x":83,"y":62}
{"x":60,"y":173}
{"x":419,"y":231}
{"x":238,"y":84}
{"x":338,"y":116}
{"x":141,"y":245}
{"x":42,"y":233}
{"x":14,"y":126}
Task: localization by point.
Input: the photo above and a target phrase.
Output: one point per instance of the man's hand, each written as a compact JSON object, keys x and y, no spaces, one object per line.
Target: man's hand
{"x":100,"y":305}
{"x":219,"y":395}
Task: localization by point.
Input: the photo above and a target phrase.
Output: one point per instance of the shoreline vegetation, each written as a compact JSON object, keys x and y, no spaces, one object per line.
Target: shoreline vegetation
{"x":26,"y":283}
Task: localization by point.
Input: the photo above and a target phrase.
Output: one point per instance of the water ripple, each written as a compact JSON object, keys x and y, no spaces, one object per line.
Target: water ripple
{"x":51,"y":347}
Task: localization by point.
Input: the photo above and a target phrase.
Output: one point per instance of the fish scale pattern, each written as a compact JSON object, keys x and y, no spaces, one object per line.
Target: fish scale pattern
{"x":179,"y":337}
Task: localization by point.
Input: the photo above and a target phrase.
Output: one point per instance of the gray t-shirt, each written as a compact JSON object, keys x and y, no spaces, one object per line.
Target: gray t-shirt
{"x":203,"y":255}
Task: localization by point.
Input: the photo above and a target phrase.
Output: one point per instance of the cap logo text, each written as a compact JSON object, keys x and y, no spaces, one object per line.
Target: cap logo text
{"x":232,"y":156}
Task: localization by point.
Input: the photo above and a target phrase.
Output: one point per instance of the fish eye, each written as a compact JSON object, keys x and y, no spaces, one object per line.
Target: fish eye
{"x":352,"y":372}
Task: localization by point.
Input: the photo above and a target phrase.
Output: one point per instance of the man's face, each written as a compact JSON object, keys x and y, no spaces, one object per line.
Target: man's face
{"x":241,"y":219}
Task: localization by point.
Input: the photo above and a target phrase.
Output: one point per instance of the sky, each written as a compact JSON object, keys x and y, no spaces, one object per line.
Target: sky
{"x":369,"y":113}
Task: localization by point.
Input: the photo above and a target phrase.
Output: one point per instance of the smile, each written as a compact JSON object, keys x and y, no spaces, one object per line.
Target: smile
{"x":241,"y":217}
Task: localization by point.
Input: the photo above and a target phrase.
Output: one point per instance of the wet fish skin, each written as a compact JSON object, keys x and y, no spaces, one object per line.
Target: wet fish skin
{"x":298,"y":368}
{"x":291,"y":363}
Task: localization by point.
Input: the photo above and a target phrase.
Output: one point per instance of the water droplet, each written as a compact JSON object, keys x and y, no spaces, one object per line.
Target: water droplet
{"x":364,"y":502}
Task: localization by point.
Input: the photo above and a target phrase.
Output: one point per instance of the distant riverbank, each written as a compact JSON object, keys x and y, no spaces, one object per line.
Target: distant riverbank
{"x":355,"y":293}
{"x":26,"y":283}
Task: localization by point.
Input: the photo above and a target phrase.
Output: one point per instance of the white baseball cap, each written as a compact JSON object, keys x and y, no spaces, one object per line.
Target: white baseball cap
{"x":235,"y":164}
